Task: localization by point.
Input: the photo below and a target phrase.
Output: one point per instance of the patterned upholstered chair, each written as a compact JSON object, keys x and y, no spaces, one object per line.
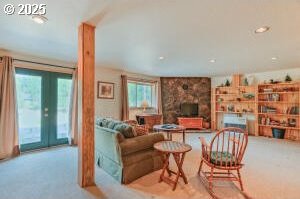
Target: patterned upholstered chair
{"x":224,"y":154}
{"x":139,"y":129}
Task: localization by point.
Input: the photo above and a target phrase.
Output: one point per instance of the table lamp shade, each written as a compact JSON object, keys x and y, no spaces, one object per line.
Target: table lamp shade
{"x":144,"y":104}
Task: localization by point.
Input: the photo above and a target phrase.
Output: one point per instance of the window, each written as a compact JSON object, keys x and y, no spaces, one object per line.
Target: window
{"x":139,"y":92}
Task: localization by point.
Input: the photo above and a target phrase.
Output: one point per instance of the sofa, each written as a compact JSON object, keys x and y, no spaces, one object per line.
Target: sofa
{"x":124,"y":155}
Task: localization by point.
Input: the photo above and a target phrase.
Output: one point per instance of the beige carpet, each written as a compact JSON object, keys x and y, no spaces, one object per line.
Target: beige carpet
{"x":271,"y":172}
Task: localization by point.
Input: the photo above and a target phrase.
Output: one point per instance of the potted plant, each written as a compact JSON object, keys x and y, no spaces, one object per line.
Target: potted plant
{"x":246,"y":82}
{"x":288,"y":78}
{"x":227,"y":83}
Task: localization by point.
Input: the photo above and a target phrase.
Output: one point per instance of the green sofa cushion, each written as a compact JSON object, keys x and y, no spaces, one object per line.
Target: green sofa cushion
{"x":105,"y":122}
{"x":125,"y":129}
{"x":112,"y":124}
{"x":226,"y":158}
{"x":99,"y":121}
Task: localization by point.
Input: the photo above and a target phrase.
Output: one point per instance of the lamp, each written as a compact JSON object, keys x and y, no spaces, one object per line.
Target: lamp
{"x":144,"y":105}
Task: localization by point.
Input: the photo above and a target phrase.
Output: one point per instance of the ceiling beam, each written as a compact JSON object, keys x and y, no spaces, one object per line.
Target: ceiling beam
{"x":86,"y":104}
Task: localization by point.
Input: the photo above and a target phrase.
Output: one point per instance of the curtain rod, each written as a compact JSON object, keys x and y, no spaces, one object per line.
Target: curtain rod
{"x":33,"y":62}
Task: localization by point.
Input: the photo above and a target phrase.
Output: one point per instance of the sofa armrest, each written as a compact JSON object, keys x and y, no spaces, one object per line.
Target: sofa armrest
{"x":140,"y":143}
{"x":107,"y":142}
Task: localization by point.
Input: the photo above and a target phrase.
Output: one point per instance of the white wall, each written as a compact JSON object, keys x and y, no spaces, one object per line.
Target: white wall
{"x":112,"y":107}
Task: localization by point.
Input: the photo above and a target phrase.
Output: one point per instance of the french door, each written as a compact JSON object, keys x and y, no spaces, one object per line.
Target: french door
{"x":43,"y":108}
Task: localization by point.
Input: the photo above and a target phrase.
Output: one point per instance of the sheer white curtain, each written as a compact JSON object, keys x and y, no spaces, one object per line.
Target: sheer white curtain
{"x":9,"y":141}
{"x":74,"y":110}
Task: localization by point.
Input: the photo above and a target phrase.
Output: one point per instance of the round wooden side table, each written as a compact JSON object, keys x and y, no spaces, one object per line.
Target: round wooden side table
{"x":169,"y":131}
{"x":178,"y":151}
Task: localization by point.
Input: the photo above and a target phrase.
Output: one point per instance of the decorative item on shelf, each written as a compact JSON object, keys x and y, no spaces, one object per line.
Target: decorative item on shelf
{"x":246,"y":83}
{"x":230,"y":108}
{"x":292,"y":122}
{"x":222,"y":108}
{"x":272,"y":81}
{"x":268,"y":120}
{"x":294,"y":110}
{"x":227,"y":83}
{"x":248,"y":96}
{"x":288,"y":78}
{"x":238,"y":99}
{"x":273,"y":97}
{"x":220,"y":99}
{"x":250,"y":110}
{"x":267,"y":90}
{"x":144,"y":105}
{"x":250,"y":80}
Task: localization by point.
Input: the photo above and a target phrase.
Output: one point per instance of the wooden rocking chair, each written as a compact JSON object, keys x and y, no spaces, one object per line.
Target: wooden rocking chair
{"x":225,"y":153}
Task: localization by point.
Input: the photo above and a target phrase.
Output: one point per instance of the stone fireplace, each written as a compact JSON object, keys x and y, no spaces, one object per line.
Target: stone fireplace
{"x":178,"y":90}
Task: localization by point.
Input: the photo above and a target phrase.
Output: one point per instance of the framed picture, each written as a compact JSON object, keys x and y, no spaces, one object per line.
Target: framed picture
{"x":105,"y":90}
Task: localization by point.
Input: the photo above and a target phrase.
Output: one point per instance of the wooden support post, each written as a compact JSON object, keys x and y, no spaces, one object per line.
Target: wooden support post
{"x":86,"y":106}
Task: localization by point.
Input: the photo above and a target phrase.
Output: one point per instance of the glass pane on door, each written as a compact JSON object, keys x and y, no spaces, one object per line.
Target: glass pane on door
{"x":64,"y":88}
{"x":29,"y":99}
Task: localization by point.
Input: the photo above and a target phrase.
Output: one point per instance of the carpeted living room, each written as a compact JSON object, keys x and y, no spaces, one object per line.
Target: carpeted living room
{"x":149,"y":99}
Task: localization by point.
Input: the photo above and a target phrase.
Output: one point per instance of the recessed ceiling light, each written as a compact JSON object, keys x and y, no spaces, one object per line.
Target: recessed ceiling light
{"x":40,"y":19}
{"x":262,"y":29}
{"x":212,"y":61}
{"x":274,"y":58}
{"x":161,"y":58}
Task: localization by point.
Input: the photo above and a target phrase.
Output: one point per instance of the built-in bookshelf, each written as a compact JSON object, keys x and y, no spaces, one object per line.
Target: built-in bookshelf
{"x":234,"y":99}
{"x":271,"y":105}
{"x":278,"y":107}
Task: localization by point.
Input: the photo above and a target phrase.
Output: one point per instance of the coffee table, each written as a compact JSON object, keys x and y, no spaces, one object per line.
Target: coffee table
{"x":169,"y":131}
{"x":178,"y":151}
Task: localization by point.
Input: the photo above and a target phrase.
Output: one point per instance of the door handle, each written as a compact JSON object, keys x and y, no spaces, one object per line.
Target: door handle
{"x":46,"y":109}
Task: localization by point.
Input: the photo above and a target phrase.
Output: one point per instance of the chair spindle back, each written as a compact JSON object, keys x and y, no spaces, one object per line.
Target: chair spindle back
{"x":229,"y":143}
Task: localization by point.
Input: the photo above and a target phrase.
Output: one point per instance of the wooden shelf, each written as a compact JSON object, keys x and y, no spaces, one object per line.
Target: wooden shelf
{"x":235,"y":112}
{"x":229,"y":94}
{"x":280,"y":84}
{"x":279,"y":114}
{"x":280,"y":127}
{"x":277,"y":102}
{"x":283,"y":92}
{"x":235,"y":101}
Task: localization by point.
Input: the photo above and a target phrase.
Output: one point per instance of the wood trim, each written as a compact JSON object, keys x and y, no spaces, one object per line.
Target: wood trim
{"x":134,"y":79}
{"x":86,"y":104}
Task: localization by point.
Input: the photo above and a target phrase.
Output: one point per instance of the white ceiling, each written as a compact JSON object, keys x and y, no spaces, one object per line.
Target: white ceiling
{"x":132,"y":34}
